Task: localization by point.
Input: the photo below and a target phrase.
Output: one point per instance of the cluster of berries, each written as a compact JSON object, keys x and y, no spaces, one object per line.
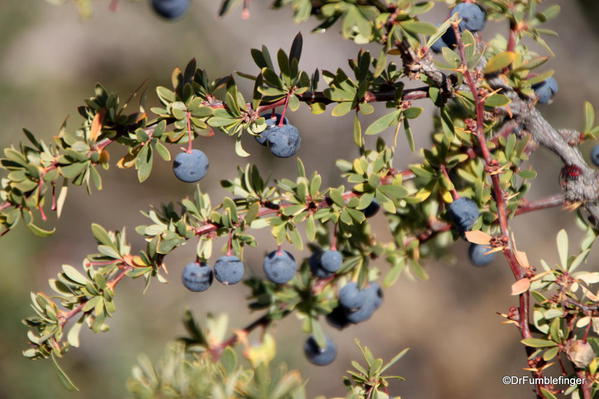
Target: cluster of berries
{"x":198,"y":276}
{"x":282,"y":138}
{"x":473,"y":18}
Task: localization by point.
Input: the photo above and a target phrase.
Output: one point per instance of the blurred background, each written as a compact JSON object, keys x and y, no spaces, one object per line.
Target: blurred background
{"x":50,"y":61}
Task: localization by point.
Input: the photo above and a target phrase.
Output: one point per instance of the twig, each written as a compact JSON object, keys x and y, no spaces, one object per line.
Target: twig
{"x":491,"y":166}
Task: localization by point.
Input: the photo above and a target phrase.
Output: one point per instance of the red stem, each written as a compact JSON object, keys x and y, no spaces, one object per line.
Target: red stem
{"x":64,"y":317}
{"x":230,"y":243}
{"x":334,"y":238}
{"x":491,"y":165}
{"x":549,"y":202}
{"x":103,"y":144}
{"x":190,"y":135}
{"x":285,"y":105}
{"x":586,"y":384}
{"x":263,"y":321}
{"x":454,"y":193}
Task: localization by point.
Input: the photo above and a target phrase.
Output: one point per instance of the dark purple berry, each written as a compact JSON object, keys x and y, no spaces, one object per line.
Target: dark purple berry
{"x":191,"y":167}
{"x":197,"y":277}
{"x":478,"y":255}
{"x":338,"y":318}
{"x":229,"y":270}
{"x":464,"y":213}
{"x":372,"y":209}
{"x":546,"y":90}
{"x":284,"y":141}
{"x":271,"y":123}
{"x":170,"y":9}
{"x":595,"y":155}
{"x":351,"y":296}
{"x":316,"y":267}
{"x":320,"y":356}
{"x":279,"y":266}
{"x":331,"y":260}
{"x":472,"y":16}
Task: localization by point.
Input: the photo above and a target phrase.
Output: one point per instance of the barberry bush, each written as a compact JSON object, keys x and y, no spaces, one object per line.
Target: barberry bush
{"x":470,"y":183}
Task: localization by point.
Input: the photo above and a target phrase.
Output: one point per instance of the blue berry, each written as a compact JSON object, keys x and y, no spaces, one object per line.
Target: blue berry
{"x":197,"y":277}
{"x":373,"y":300}
{"x":472,"y":16}
{"x":170,"y":9}
{"x":464,"y":213}
{"x":271,"y":123}
{"x":371,"y":209}
{"x":316,"y":267}
{"x":595,"y":155}
{"x":279,"y":266}
{"x":376,"y":293}
{"x":478,"y":255}
{"x":331,"y":260}
{"x":191,"y":167}
{"x":262,"y":137}
{"x":320,"y":356}
{"x":545,"y":90}
{"x":351,"y":297}
{"x":338,"y":318}
{"x":284,"y":141}
{"x":229,"y":270}
{"x":362,"y":314}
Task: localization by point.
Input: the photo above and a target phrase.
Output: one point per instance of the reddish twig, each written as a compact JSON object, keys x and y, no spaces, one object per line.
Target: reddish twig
{"x":491,"y":167}
{"x":453,"y":191}
{"x":189,"y":133}
{"x":64,"y":317}
{"x":549,"y":202}
{"x":264,"y":321}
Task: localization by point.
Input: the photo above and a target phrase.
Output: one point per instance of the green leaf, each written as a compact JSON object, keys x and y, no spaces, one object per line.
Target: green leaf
{"x":394,"y":360}
{"x":413,"y":112}
{"x":500,"y":61}
{"x":100,"y":234}
{"x":562,"y":247}
{"x":239,"y":149}
{"x":144,"y":162}
{"x":424,"y":28}
{"x":163,"y":151}
{"x":64,"y":378}
{"x":336,"y":195}
{"x":341,"y":109}
{"x":589,"y":116}
{"x":38,"y":231}
{"x":73,"y":274}
{"x":440,"y":32}
{"x":318,"y":333}
{"x":229,"y":360}
{"x":538,"y":343}
{"x":497,"y":100}
{"x":165,"y":95}
{"x":550,"y":353}
{"x":358,"y":138}
{"x":73,"y":334}
{"x":384,"y":122}
{"x":296,"y":47}
{"x":409,"y":135}
{"x":547,"y":394}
